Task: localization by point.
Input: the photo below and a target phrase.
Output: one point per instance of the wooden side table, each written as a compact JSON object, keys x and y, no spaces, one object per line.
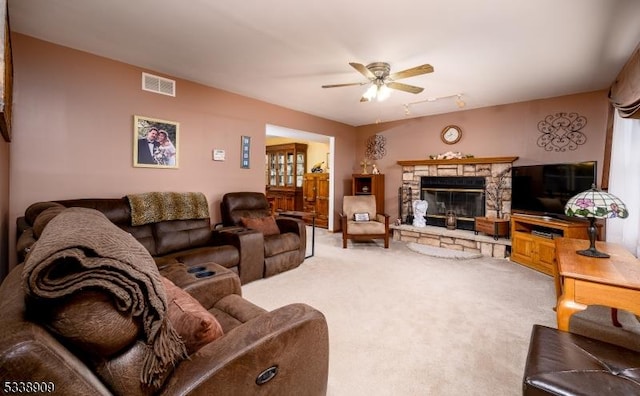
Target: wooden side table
{"x":492,"y":226}
{"x":582,"y":281}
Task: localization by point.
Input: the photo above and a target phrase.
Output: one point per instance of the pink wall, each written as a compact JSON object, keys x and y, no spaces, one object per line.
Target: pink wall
{"x":499,"y":131}
{"x":73,"y":131}
{"x":73,"y":120}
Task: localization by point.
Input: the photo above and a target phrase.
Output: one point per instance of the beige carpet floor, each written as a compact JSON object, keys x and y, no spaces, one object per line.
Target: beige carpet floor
{"x":404,"y":323}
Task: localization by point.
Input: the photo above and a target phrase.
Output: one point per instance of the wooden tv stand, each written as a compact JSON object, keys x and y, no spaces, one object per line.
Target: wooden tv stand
{"x":532,"y":239}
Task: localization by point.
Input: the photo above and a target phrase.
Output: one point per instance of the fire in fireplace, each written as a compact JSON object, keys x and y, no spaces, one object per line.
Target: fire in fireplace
{"x":464,"y":195}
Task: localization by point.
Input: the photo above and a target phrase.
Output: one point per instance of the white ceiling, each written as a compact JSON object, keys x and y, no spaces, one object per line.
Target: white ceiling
{"x":282,"y":51}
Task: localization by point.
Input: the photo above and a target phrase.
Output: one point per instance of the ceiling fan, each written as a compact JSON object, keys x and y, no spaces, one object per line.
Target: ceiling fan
{"x":382,"y":81}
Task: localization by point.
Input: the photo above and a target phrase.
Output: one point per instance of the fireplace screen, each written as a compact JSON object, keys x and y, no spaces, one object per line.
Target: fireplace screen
{"x":462,"y":195}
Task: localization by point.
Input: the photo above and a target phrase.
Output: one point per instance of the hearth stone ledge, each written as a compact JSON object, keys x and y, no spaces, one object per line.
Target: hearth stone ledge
{"x":461,"y":240}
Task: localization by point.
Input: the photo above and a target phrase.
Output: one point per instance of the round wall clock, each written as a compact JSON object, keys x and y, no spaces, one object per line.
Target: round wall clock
{"x":451,"y":134}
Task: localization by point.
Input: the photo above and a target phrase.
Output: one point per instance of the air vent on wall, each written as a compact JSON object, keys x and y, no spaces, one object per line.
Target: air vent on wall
{"x":158,"y":84}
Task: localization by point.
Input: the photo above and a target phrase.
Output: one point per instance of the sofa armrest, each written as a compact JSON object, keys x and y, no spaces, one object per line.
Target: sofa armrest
{"x":21,"y":225}
{"x":207,"y":290}
{"x":290,"y":224}
{"x":293,"y":339}
{"x":296,"y":226}
{"x":250,"y":245}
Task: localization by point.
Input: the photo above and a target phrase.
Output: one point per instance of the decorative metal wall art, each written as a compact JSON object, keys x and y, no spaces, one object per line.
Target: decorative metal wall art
{"x":375,"y":147}
{"x":561,"y":132}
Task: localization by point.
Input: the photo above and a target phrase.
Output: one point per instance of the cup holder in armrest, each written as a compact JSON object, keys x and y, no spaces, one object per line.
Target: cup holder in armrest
{"x":201,"y":272}
{"x":204,"y":274}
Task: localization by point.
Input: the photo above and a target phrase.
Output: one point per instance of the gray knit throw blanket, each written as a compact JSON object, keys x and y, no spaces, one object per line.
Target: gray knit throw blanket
{"x":79,"y":249}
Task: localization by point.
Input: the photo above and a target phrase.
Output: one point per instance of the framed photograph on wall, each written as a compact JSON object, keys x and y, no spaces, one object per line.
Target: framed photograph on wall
{"x":6,"y":77}
{"x":155,"y":143}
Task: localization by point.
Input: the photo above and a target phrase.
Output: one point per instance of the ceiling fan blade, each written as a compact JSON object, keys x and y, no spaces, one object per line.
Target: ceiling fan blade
{"x":414,"y":71}
{"x":405,"y":87}
{"x":364,"y":99}
{"x":363,"y":70}
{"x":343,"y":85}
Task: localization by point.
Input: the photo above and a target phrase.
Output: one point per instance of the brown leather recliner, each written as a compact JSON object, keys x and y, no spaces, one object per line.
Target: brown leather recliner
{"x":283,"y":251}
{"x":190,"y":241}
{"x":284,"y":351}
{"x":292,"y":338}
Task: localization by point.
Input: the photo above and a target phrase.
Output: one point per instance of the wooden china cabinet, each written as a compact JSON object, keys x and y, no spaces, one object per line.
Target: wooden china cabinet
{"x":285,"y":167}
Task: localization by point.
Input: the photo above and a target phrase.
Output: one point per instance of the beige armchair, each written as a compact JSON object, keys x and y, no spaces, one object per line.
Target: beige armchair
{"x":360,"y":220}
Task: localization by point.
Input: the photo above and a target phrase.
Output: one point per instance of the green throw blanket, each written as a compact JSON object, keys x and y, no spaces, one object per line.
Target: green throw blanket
{"x":79,"y":249}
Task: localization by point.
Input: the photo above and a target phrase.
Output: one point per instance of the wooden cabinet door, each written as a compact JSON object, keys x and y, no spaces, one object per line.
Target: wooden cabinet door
{"x":291,"y":202}
{"x":309,"y":189}
{"x":322,"y":197}
{"x":522,"y":247}
{"x":279,"y":202}
{"x":546,"y":253}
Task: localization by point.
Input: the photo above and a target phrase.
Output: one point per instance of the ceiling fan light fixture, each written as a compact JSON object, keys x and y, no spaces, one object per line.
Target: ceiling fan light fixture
{"x":371,"y":93}
{"x":378,"y":73}
{"x":383,"y":93}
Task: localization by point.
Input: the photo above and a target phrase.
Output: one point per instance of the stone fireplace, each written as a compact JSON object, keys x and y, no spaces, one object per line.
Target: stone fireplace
{"x":442,"y":189}
{"x":468,"y":173}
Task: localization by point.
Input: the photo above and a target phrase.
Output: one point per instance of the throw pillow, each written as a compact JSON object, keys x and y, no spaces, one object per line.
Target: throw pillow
{"x":361,"y":216}
{"x":89,"y":321}
{"x":196,"y":326}
{"x":266,"y":225}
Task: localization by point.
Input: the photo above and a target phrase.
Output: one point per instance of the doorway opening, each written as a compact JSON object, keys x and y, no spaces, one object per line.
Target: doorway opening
{"x":320,"y":150}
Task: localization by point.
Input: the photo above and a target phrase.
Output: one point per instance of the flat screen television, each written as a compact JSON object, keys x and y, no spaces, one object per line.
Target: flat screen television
{"x":545,"y":189}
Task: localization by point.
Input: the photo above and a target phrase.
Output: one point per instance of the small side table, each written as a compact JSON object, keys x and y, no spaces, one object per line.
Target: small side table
{"x":582,"y":281}
{"x":492,"y":226}
{"x":301,"y":215}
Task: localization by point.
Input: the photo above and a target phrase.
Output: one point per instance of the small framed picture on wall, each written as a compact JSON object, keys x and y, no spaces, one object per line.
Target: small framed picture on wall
{"x":155,"y":143}
{"x":245,"y":152}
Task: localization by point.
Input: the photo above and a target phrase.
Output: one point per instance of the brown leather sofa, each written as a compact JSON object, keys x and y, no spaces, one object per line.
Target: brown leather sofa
{"x":281,"y":352}
{"x":283,"y":250}
{"x":190,"y":241}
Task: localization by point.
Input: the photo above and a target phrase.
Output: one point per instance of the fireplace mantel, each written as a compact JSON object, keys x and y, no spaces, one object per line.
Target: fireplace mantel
{"x":458,"y":161}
